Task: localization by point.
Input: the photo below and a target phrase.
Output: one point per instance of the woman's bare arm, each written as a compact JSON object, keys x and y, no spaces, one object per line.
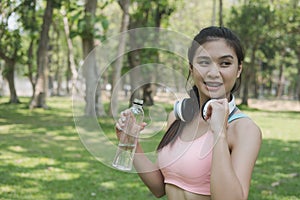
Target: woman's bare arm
{"x":149,"y":173}
{"x":231,"y":171}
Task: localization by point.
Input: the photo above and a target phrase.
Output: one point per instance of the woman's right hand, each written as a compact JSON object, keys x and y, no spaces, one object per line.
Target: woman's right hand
{"x":121,"y":123}
{"x":217,"y":113}
{"x":125,"y":117}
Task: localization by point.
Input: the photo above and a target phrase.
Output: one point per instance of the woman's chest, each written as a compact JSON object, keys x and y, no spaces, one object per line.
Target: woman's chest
{"x":188,"y":159}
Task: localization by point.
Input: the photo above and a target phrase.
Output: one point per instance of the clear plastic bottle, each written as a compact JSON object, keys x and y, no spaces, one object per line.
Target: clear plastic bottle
{"x":128,"y":138}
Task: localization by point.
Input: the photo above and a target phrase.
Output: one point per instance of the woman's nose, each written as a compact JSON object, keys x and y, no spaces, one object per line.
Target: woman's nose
{"x":214,"y":71}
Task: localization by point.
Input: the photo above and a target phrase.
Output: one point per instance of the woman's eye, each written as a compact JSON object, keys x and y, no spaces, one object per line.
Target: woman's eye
{"x":225,"y":64}
{"x":203,"y":62}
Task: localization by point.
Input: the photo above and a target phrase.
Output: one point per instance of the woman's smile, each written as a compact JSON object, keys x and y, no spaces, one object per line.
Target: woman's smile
{"x":213,"y":86}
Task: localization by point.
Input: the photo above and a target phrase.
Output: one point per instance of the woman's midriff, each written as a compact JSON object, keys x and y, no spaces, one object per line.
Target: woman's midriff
{"x":175,"y":193}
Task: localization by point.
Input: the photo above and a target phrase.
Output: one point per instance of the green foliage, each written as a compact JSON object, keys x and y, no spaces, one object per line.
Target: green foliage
{"x":271,"y":28}
{"x":10,"y":39}
{"x":151,"y":13}
{"x":86,"y":24}
{"x":29,"y":17}
{"x":268,"y":31}
{"x":10,"y":43}
{"x":244,"y":17}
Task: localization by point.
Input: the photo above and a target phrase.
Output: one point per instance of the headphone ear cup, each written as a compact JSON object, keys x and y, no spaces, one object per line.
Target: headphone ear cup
{"x":184,"y":110}
{"x":176,"y":110}
{"x":187,"y":109}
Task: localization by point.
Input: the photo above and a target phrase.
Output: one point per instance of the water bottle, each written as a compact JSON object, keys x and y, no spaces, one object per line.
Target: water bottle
{"x":128,"y":138}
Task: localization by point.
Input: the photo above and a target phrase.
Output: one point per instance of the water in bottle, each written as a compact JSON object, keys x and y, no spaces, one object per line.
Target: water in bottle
{"x":128,"y":138}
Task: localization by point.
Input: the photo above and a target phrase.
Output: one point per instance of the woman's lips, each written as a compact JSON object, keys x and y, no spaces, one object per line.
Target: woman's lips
{"x":212,"y":86}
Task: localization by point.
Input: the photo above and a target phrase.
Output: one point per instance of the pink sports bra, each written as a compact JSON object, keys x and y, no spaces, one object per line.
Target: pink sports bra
{"x":187,"y":164}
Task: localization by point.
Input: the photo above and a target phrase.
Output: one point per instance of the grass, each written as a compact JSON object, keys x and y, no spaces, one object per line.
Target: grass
{"x":42,"y":157}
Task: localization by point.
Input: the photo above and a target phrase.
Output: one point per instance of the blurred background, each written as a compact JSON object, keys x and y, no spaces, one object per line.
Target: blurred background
{"x":44,"y":43}
{"x":46,"y":55}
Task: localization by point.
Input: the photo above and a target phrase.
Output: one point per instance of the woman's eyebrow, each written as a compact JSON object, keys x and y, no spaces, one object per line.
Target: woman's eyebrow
{"x":227,"y":56}
{"x":202,"y":57}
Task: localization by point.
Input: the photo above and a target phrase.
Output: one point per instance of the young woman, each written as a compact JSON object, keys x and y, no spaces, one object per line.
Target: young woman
{"x":211,"y":157}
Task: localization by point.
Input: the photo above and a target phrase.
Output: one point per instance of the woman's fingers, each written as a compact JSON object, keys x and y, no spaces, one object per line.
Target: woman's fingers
{"x":143,"y":125}
{"x":124,"y":123}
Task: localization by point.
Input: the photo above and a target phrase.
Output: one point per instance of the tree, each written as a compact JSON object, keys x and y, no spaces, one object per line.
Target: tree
{"x":10,"y":46}
{"x":285,"y":40}
{"x":72,"y":14}
{"x":213,"y":18}
{"x":28,"y":13}
{"x":9,"y":70}
{"x":146,"y":13}
{"x":292,"y":30}
{"x":91,"y":72}
{"x":39,"y":97}
{"x":220,"y":12}
{"x":124,"y":4}
{"x":71,"y":59}
{"x":241,"y":21}
{"x":269,"y":31}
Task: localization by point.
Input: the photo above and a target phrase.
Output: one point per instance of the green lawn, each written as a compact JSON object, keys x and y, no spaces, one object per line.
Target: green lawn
{"x":42,"y":157}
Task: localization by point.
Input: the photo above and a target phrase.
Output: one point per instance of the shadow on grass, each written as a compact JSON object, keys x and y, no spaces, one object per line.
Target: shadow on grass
{"x":247,"y":108}
{"x":276,"y":174}
{"x":42,"y":157}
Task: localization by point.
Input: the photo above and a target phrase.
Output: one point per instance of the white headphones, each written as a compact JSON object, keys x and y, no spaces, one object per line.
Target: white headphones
{"x":184,"y":110}
{"x":231,"y":105}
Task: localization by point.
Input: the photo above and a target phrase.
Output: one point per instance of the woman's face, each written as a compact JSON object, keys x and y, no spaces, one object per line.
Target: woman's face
{"x":215,"y":69}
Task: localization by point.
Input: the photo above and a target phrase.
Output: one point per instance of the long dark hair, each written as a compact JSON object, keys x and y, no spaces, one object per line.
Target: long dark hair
{"x":205,"y":35}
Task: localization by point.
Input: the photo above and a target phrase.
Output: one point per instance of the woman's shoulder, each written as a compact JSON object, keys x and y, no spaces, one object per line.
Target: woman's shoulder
{"x":244,"y":128}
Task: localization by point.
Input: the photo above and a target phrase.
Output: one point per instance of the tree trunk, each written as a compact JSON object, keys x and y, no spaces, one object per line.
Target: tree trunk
{"x":261,"y":88}
{"x":220,"y":13}
{"x":71,"y":60}
{"x":249,"y":76}
{"x":54,"y":62}
{"x":124,"y":4}
{"x":248,"y":72}
{"x":9,"y":75}
{"x":297,"y":95}
{"x":58,"y":78}
{"x":134,"y":61}
{"x":30,"y":50}
{"x":39,"y":98}
{"x":93,"y":91}
{"x":30,"y":66}
{"x":280,"y":84}
{"x":245,"y":87}
{"x":150,"y":90}
{"x":213,"y":18}
{"x":254,"y":79}
{"x":147,"y":95}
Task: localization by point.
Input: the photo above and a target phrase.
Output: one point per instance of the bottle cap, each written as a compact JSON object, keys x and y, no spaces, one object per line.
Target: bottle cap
{"x":138,"y":102}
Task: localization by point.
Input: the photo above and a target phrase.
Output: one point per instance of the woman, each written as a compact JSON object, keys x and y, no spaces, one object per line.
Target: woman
{"x":209,"y":157}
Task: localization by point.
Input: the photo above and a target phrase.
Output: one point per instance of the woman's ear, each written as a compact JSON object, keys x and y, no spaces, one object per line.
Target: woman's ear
{"x":240,"y":69}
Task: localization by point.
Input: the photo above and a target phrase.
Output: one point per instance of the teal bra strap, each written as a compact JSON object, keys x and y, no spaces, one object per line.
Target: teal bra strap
{"x":236,"y":116}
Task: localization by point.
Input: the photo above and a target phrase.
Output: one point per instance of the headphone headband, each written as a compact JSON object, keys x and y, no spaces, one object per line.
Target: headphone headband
{"x":185,"y":112}
{"x":231,"y":106}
